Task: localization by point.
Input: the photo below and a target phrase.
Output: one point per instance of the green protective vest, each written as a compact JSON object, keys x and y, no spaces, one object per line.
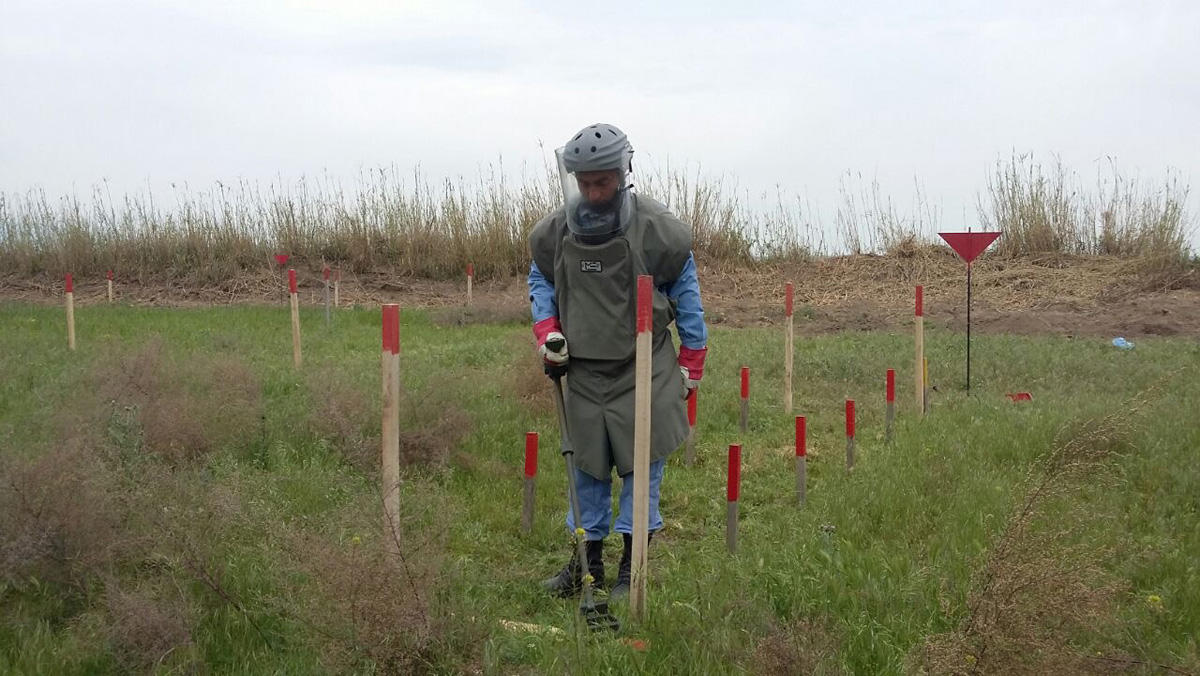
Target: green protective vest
{"x":595,"y":287}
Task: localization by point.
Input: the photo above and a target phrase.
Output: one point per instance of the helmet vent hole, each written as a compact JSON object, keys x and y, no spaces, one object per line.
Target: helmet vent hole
{"x":577,"y":151}
{"x":578,"y":137}
{"x":598,"y":135}
{"x":593,"y":148}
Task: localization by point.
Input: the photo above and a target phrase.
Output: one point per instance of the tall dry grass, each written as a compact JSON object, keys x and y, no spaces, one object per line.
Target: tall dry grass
{"x":1046,"y":209}
{"x":399,"y":222}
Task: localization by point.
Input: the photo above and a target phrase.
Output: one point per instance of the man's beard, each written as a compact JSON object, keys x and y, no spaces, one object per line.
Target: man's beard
{"x":599,"y":222}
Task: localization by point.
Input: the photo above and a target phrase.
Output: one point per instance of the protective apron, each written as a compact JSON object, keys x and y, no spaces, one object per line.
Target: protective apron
{"x":595,"y":288}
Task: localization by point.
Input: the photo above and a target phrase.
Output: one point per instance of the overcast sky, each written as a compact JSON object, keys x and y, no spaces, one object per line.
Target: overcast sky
{"x":793,"y":94}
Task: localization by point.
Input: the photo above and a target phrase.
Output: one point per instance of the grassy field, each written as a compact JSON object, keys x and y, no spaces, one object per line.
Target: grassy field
{"x":177,"y":498}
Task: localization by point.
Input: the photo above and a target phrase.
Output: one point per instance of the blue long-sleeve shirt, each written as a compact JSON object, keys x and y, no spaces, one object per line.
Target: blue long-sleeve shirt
{"x":685,"y":291}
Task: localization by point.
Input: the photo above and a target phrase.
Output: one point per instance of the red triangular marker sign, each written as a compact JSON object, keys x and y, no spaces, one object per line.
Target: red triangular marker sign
{"x":969,"y":245}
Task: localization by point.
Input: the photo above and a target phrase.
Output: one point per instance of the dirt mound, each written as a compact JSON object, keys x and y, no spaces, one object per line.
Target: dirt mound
{"x":1055,"y":294}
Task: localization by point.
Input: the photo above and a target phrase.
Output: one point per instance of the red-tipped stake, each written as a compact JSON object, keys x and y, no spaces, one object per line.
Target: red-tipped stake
{"x":890,"y":396}
{"x":849,"y":434}
{"x":745,"y":421}
{"x":337,"y":284}
{"x":325,"y":275}
{"x":733,"y":487}
{"x":641,"y":447}
{"x":789,"y":334}
{"x":109,"y":279}
{"x":801,"y":460}
{"x":689,"y":454}
{"x":389,"y":461}
{"x":919,"y":341}
{"x":470,"y":281}
{"x":531,"y":454}
{"x":295,"y":317}
{"x":70,"y":299}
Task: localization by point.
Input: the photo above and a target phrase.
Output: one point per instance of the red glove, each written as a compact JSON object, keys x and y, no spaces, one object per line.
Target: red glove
{"x":549,"y":330}
{"x":691,"y":367}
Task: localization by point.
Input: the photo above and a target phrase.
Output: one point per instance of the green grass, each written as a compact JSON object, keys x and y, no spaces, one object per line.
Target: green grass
{"x":910,"y":526}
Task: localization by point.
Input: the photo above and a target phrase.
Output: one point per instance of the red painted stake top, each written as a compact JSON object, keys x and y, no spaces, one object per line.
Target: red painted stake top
{"x":109,"y":275}
{"x":692,"y":409}
{"x":789,"y":297}
{"x":745,"y":382}
{"x":968,"y":245}
{"x":391,"y":328}
{"x":891,"y":385}
{"x":292,"y":280}
{"x":645,"y":301}
{"x":801,"y":436}
{"x":850,"y":418}
{"x":470,"y":269}
{"x":70,"y":284}
{"x":531,"y":451}
{"x":325,"y":273}
{"x":920,"y":301}
{"x":734,"y":483}
{"x":281,"y":259}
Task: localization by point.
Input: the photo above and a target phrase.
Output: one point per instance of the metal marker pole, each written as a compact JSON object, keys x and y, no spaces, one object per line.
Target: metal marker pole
{"x":919,"y":341}
{"x":849,"y":434}
{"x":732,"y":489}
{"x":689,"y":454}
{"x":745,"y":420}
{"x":801,"y":460}
{"x":531,"y":453}
{"x":890,"y":396}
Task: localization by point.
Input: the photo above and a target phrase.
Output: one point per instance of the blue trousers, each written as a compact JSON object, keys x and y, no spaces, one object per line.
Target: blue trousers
{"x":595,"y":503}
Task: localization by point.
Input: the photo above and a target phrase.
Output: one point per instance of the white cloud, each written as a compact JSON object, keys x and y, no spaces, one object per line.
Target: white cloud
{"x":768,"y":94}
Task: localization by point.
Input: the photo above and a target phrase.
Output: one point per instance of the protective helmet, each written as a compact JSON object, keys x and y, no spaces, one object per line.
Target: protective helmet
{"x":597,"y":148}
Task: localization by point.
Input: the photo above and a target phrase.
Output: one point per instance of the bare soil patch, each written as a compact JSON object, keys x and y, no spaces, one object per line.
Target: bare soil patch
{"x":1053,"y":294}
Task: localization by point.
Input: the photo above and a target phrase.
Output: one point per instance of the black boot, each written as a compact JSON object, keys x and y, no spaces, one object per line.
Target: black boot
{"x":620,"y":590}
{"x":567,"y":582}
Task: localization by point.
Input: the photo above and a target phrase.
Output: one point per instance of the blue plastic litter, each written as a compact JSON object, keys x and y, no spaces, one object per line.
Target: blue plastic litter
{"x":1120,"y":342}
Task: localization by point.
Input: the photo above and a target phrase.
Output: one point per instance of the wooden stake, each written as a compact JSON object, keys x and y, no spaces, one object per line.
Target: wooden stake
{"x":110,"y":286}
{"x":689,"y":454}
{"x":295,"y":318}
{"x":890,"y":396}
{"x":801,"y":460}
{"x":70,"y":312}
{"x":337,"y":282}
{"x":390,"y":451}
{"x":641,"y":447}
{"x":789,"y":334}
{"x":325,"y":274}
{"x":919,"y":340}
{"x":733,"y":486}
{"x":470,"y":280}
{"x":531,"y":453}
{"x":849,"y":434}
{"x":745,"y":420}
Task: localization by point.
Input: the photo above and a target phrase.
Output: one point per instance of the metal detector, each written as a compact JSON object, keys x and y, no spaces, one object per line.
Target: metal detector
{"x":595,"y":614}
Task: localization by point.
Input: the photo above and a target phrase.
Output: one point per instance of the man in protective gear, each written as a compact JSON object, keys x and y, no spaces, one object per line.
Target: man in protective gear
{"x":587,"y":256}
